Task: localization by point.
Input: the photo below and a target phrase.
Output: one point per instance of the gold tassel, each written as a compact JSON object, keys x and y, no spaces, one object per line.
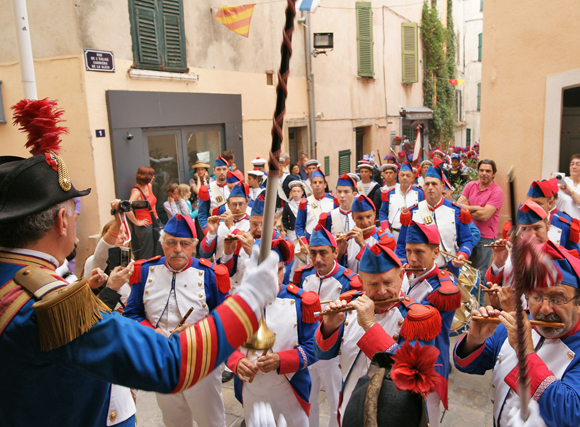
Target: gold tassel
{"x":69,"y":314}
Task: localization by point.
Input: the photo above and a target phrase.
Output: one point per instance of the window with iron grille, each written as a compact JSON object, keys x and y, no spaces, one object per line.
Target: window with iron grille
{"x":158,"y":35}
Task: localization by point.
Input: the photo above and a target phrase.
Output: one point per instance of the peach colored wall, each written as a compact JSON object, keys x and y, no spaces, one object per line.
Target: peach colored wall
{"x":524,"y":42}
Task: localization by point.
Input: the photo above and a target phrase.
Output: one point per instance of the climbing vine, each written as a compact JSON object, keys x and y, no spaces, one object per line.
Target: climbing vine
{"x":439,"y":54}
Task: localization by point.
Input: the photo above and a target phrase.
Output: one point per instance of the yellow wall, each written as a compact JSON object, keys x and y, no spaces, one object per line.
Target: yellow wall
{"x":524,"y":42}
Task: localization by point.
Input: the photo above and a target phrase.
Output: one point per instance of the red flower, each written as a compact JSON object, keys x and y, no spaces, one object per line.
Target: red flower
{"x":414,"y":368}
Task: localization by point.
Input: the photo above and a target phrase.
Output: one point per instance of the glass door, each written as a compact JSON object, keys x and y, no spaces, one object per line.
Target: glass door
{"x":164,"y":157}
{"x":202,"y":143}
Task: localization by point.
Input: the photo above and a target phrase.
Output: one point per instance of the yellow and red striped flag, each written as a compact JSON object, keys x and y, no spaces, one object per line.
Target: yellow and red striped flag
{"x":236,"y":18}
{"x":455,"y":82}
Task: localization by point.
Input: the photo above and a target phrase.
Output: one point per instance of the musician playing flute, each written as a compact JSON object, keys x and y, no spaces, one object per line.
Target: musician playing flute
{"x":357,"y":335}
{"x":437,"y":288}
{"x":552,"y":354}
{"x":351,"y":246}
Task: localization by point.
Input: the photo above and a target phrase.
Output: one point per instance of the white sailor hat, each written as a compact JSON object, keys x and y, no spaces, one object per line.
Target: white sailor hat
{"x":294,"y":183}
{"x":365,"y":164}
{"x":354,"y":176}
{"x":426,"y":162}
{"x":389,"y":166}
{"x":312,"y":162}
{"x":256,"y":172}
{"x":258,"y":161}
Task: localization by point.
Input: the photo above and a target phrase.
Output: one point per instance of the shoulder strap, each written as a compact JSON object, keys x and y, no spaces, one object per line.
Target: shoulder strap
{"x":221,"y":273}
{"x":216,"y":194}
{"x":315,"y":206}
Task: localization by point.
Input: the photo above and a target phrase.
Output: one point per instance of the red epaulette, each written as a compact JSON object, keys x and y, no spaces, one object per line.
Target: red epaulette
{"x":464,"y":214}
{"x":407,"y":216}
{"x":216,"y":211}
{"x":563,"y":219}
{"x":298,"y":274}
{"x":574,"y":253}
{"x":203,"y":193}
{"x":323,"y":218}
{"x":353,"y":278}
{"x":385,"y":195}
{"x":309,"y":300}
{"x":506,"y":230}
{"x":136,"y":276}
{"x":447,"y":297}
{"x":575,"y":231}
{"x":422,"y":322}
{"x":222,"y":275}
{"x":302,"y":205}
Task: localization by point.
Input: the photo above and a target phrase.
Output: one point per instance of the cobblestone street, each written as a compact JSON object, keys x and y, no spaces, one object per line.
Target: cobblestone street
{"x":469,"y":403}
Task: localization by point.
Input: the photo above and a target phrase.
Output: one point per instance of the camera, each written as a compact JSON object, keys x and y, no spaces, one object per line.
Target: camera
{"x":127,"y":206}
{"x":559,"y":176}
{"x":118,"y":257}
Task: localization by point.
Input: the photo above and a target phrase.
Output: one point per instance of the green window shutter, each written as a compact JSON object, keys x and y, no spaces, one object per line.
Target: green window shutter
{"x":172,"y":12}
{"x":343,"y":162}
{"x":327,"y":165}
{"x":468,"y":137}
{"x":146,"y":46}
{"x":479,"y":47}
{"x":364,"y":39}
{"x":409,"y":51}
{"x":481,"y":6}
{"x":479,"y":97}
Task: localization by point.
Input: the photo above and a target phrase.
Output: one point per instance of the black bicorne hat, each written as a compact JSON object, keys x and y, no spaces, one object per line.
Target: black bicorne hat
{"x":29,"y":186}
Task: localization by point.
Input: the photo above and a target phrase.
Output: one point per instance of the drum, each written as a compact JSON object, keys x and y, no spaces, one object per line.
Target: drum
{"x":468,"y":283}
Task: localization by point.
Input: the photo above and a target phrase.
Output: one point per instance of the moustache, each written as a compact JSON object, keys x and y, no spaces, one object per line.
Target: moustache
{"x":178,"y":255}
{"x":552,"y":317}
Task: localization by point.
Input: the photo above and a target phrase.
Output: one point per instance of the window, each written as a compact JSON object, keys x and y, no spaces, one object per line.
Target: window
{"x":479,"y":97}
{"x":327,"y":165}
{"x":468,"y":137}
{"x":364,"y":39}
{"x":481,"y":5}
{"x":479,"y":47}
{"x":343,"y":162}
{"x":158,"y":35}
{"x":409,"y":52}
{"x":458,"y":105}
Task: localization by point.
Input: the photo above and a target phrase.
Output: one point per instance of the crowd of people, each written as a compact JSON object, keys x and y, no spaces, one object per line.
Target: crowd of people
{"x":370,"y":268}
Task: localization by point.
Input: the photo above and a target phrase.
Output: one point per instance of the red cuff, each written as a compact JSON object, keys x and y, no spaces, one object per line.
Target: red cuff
{"x":233,"y":360}
{"x":147,"y":324}
{"x":537,"y":370}
{"x":469,"y":359}
{"x":326,"y":344}
{"x":211,"y":246}
{"x":464,"y":255}
{"x":375,"y":340}
{"x":289,"y":362}
{"x":490,"y":277}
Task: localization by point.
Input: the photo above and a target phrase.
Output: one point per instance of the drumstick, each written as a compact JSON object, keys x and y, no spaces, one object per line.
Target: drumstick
{"x":454,"y":256}
{"x":182,"y":321}
{"x":495,"y":246}
{"x":303,"y":244}
{"x":350,"y":308}
{"x":263,"y":354}
{"x":555,"y":325}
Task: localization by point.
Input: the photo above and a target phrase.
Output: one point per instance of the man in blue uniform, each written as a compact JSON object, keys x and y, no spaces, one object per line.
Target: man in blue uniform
{"x":552,"y":354}
{"x":312,"y":207}
{"x":215,"y":194}
{"x":61,"y":348}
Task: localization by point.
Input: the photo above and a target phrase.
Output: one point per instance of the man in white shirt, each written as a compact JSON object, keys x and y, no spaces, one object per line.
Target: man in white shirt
{"x":569,"y":197}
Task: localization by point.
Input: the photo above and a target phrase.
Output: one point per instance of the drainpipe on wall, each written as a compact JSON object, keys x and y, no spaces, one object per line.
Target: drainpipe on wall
{"x":24,"y":49}
{"x":310,"y":81}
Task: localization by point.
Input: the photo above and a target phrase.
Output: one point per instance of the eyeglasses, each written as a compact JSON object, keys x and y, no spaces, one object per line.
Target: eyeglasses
{"x":185,"y":244}
{"x":237,"y":204}
{"x":554,"y":302}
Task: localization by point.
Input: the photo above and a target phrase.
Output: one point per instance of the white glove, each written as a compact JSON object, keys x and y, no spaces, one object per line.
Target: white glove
{"x":260,"y":284}
{"x":514,"y":418}
{"x":262,"y":416}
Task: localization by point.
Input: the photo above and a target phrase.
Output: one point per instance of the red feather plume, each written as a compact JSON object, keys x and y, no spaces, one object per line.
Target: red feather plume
{"x":414,"y":368}
{"x":40,"y":118}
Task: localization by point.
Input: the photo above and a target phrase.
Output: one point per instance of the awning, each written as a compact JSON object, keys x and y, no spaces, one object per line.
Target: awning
{"x":417,"y":113}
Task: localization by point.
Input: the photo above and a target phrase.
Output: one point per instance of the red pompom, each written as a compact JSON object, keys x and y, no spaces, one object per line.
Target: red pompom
{"x":136,"y":276}
{"x":310,"y":305}
{"x":414,"y":368}
{"x":465,"y":216}
{"x":222,"y":278}
{"x":423,"y":322}
{"x":406,"y":217}
{"x":40,"y":118}
{"x":298,"y":275}
{"x":203,"y":193}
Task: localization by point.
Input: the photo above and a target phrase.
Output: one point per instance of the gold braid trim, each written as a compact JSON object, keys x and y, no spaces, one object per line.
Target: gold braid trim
{"x":63,"y":176}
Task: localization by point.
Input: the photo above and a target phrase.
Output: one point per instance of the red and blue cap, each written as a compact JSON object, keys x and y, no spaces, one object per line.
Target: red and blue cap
{"x":421,"y":233}
{"x":234,"y":176}
{"x":434,"y":172}
{"x":530,"y":212}
{"x":284,"y":249}
{"x":317,"y":174}
{"x":543,"y":188}
{"x":406,"y":167}
{"x":180,"y":226}
{"x":321,"y":237}
{"x":239,"y":190}
{"x":377,"y":259}
{"x":345,"y":180}
{"x":258,"y":205}
{"x":567,"y":263}
{"x":220,"y":161}
{"x":362,"y":203}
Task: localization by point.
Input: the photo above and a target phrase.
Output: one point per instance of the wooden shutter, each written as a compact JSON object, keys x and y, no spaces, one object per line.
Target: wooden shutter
{"x":479,"y":46}
{"x":146,"y":46}
{"x":364,"y":39}
{"x":174,"y":37}
{"x":468,"y":137}
{"x":343,"y":162}
{"x":478,"y":96}
{"x":327,"y":165}
{"x":409,"y":50}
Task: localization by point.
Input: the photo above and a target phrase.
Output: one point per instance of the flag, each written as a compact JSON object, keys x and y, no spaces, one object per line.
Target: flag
{"x":307,"y":5}
{"x":455,"y":82}
{"x":417,"y":149}
{"x":236,"y":18}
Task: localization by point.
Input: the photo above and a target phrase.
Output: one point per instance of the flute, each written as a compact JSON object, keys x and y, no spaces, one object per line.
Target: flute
{"x":556,"y":325}
{"x":501,"y":245}
{"x":182,"y":321}
{"x":344,"y":235}
{"x":343,"y":309}
{"x":453,"y":256}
